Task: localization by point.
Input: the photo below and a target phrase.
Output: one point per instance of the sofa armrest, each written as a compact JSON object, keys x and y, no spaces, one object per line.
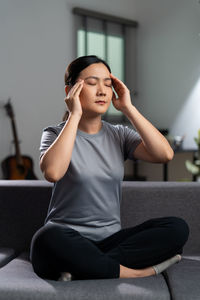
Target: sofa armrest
{"x":6,"y":255}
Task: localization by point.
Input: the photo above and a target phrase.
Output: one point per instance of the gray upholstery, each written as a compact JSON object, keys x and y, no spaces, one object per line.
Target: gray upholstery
{"x":145,"y":200}
{"x":23,"y":207}
{"x":6,"y":255}
{"x":19,"y":282}
{"x":21,"y":202}
{"x":184,"y":279}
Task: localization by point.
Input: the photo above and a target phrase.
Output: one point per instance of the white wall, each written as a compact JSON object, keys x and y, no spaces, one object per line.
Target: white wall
{"x":35,"y":48}
{"x":37,"y":42}
{"x":168,"y":65}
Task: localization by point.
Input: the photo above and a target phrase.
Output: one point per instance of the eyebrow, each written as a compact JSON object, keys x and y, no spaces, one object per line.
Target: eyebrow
{"x":97,"y":78}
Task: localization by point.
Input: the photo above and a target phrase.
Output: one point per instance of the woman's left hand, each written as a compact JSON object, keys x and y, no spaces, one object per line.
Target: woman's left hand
{"x":123,"y":102}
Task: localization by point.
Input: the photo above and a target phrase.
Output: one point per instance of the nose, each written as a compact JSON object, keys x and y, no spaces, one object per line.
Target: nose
{"x":101,"y":90}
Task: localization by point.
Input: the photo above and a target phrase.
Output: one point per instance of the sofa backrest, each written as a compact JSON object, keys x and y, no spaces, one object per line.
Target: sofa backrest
{"x":23,"y":208}
{"x":144,"y":200}
{"x":24,"y":205}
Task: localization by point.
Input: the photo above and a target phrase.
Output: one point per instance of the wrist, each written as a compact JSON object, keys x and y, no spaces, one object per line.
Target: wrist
{"x":76,"y":115}
{"x":128,"y":110}
{"x":75,"y":118}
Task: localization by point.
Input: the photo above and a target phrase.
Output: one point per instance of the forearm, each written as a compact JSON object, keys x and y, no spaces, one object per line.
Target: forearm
{"x":56,"y":159}
{"x":155,"y":143}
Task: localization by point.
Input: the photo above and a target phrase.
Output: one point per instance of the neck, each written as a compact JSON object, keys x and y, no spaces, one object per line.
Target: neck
{"x":90,"y":125}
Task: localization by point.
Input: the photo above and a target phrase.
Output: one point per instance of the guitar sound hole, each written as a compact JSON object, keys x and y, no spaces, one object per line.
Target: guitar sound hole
{"x":21,"y":169}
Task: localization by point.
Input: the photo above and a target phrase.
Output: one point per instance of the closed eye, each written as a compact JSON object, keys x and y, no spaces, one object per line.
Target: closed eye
{"x":108,"y":85}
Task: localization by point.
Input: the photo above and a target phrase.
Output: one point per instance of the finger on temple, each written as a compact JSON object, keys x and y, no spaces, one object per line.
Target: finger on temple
{"x":76,"y":87}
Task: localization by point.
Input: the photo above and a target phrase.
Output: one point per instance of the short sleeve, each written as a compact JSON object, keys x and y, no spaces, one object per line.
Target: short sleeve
{"x":48,"y":137}
{"x":131,"y":139}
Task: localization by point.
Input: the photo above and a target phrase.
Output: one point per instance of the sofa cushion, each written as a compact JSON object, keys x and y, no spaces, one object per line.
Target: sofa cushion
{"x":6,"y":255}
{"x":193,"y":257}
{"x":19,"y":282}
{"x":183,"y":279}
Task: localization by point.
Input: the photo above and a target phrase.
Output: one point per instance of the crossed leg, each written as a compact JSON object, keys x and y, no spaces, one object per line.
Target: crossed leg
{"x":128,"y":253}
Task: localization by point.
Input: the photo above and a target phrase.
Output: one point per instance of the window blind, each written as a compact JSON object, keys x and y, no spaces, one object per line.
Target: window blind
{"x":112,"y":39}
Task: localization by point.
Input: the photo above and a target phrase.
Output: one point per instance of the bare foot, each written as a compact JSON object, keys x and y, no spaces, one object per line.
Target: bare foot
{"x":133,"y":273}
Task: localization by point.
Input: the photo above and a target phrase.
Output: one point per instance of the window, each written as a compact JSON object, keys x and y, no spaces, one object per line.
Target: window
{"x":106,"y":37}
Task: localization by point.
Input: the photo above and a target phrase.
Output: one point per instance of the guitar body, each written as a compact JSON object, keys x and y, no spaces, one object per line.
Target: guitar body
{"x":12,"y":170}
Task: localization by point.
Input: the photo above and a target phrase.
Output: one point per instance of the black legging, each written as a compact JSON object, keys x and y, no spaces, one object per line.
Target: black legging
{"x":56,"y":248}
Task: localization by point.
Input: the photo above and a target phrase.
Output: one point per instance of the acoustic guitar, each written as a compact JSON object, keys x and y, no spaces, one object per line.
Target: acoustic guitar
{"x":16,"y":166}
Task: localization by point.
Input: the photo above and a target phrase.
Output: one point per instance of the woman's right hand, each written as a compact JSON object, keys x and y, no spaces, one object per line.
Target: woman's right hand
{"x":73,"y":100}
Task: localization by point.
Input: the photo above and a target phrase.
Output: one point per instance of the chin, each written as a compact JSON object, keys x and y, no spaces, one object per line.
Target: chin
{"x":102,"y":111}
{"x":96,"y":113}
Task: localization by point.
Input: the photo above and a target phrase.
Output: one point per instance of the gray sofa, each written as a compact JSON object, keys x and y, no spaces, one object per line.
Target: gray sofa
{"x":23,"y":207}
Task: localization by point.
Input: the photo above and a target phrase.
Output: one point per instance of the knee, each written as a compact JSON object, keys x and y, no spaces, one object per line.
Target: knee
{"x":179,"y":230}
{"x":44,"y":238}
{"x":52,"y":235}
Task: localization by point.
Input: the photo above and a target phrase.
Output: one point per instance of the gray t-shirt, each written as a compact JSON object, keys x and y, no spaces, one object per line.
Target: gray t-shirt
{"x":87,"y":198}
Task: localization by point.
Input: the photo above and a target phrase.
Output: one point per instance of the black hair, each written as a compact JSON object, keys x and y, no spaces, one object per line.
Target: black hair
{"x":75,"y":67}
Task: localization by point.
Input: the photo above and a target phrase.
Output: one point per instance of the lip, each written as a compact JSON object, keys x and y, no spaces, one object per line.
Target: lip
{"x":100,"y":102}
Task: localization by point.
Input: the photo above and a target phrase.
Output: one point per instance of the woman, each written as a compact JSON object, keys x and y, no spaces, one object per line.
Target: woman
{"x":84,"y":157}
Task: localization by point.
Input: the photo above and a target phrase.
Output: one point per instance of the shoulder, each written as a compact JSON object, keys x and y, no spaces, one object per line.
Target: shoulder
{"x":112,"y":127}
{"x":54,"y":128}
{"x":118,"y":129}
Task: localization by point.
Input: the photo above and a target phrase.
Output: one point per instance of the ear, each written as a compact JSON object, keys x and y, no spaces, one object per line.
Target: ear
{"x":67,"y":89}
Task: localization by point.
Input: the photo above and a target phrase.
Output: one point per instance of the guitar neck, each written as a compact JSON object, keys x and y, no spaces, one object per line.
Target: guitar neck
{"x":16,"y":142}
